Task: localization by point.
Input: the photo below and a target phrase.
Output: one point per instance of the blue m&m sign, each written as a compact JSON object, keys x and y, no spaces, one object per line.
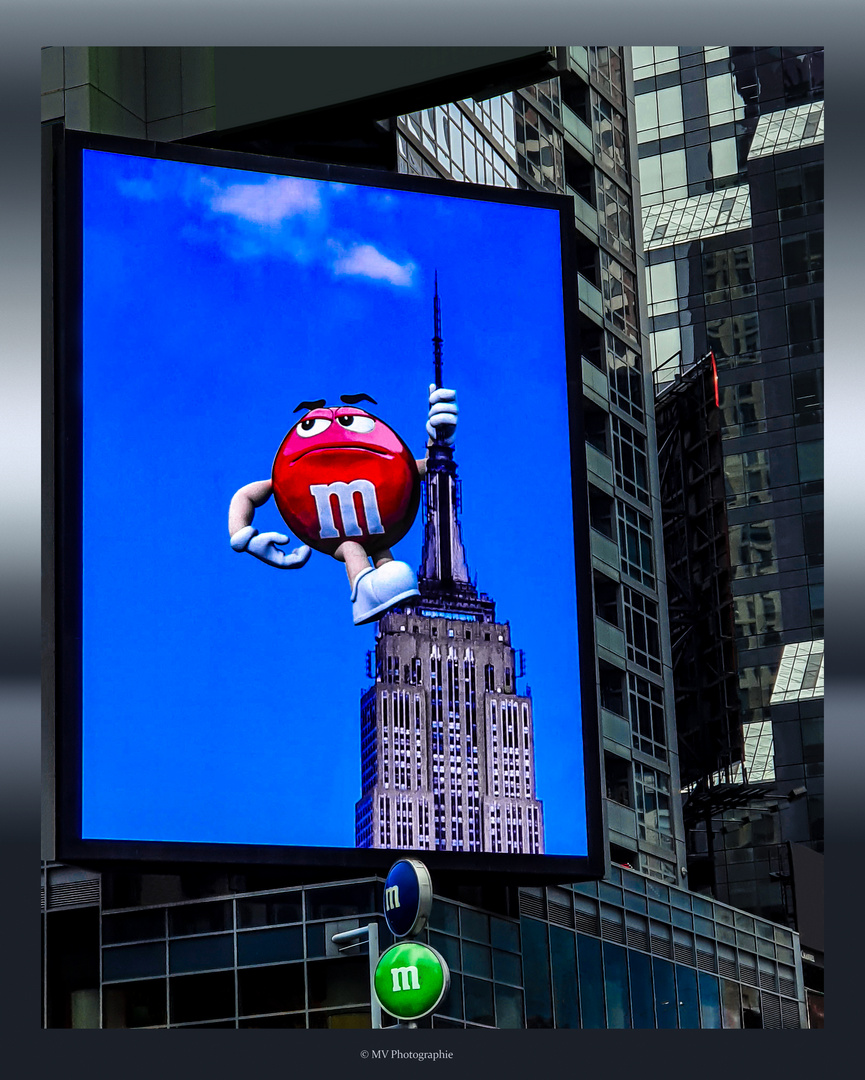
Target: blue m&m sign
{"x":407,"y":898}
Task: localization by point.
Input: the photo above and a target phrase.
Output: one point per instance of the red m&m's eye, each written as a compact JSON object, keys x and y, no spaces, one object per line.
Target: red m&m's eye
{"x":360,"y":424}
{"x":307,"y":428}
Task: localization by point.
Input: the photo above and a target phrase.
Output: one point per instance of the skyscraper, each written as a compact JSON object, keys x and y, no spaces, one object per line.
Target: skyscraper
{"x":447,"y":759}
{"x":731,"y":149}
{"x":731,"y":167}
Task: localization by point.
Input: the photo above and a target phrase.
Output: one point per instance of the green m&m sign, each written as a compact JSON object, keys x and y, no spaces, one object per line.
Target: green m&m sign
{"x":410,"y":980}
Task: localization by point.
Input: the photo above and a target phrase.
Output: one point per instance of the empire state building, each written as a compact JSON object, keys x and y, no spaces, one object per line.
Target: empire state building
{"x":447,"y":743}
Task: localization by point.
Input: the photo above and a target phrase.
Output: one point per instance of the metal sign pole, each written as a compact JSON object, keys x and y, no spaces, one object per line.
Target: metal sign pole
{"x":356,"y":937}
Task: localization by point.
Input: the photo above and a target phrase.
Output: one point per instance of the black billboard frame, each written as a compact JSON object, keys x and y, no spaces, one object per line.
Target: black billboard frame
{"x":62,"y":544}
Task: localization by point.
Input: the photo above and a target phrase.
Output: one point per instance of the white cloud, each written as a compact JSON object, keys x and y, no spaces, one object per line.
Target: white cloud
{"x":364,"y":260}
{"x":138,"y":188}
{"x":269,"y":203}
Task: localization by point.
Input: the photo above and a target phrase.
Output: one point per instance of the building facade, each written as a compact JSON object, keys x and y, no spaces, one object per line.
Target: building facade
{"x":193,"y":946}
{"x":574,"y":134}
{"x":220,"y":949}
{"x":731,"y":160}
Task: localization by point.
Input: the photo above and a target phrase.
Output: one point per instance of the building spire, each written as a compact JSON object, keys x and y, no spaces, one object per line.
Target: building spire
{"x":437,"y":333}
{"x":443,"y":578}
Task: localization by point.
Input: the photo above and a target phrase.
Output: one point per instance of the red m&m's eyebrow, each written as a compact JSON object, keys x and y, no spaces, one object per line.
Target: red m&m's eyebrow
{"x":353,"y":399}
{"x":311,"y":404}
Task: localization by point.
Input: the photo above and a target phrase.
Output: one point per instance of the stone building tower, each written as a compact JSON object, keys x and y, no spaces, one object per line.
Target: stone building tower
{"x":447,"y":743}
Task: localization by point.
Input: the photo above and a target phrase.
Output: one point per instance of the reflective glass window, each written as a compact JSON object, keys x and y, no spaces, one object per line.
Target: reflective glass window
{"x":477,"y":960}
{"x":133,"y":926}
{"x":509,"y":1007}
{"x":728,"y":274}
{"x":201,"y":997}
{"x":331,"y":983}
{"x":734,"y":335}
{"x":802,"y":258}
{"x":642,"y":629}
{"x":625,"y":376}
{"x":199,"y":918}
{"x":752,"y":549}
{"x":686,"y":984}
{"x":808,"y":396}
{"x":665,"y":993}
{"x":630,"y":460}
{"x":743,"y":409}
{"x":270,"y":946}
{"x":479,"y":1001}
{"x":635,"y":544}
{"x":616,"y":986}
{"x":134,"y":1005}
{"x":564,"y":964}
{"x":268,"y":910}
{"x":536,"y":964}
{"x":810,"y":459}
{"x":591,"y":997}
{"x":201,"y":953}
{"x":647,"y":716}
{"x":133,"y":961}
{"x":653,"y":807}
{"x":452,"y":1003}
{"x":710,"y":1003}
{"x":642,"y":997}
{"x":271,"y":989}
{"x":505,"y":935}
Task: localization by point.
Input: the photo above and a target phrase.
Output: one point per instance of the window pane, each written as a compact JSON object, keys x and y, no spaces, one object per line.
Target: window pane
{"x":199,"y":954}
{"x":267,"y":910}
{"x":536,"y":962}
{"x":591,"y":997}
{"x":563,"y":949}
{"x":710,"y":1006}
{"x":269,"y":946}
{"x":133,"y":961}
{"x":199,"y":918}
{"x":640,"y":967}
{"x":689,"y":1009}
{"x":665,"y":993}
{"x":271,"y":989}
{"x":479,"y":1001}
{"x":202,"y":997}
{"x":138,"y":1004}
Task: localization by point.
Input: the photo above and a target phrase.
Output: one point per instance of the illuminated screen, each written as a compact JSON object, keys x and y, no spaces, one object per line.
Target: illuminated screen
{"x":221,"y":698}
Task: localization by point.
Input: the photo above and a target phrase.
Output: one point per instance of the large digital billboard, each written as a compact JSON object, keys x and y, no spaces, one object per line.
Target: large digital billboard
{"x":321,"y":535}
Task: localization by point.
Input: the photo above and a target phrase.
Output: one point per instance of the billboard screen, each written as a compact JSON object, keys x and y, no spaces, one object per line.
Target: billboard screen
{"x":322,"y":549}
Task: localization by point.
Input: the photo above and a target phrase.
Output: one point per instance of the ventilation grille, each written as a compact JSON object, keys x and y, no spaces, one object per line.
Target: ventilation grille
{"x":786,"y":986}
{"x":790,"y":1014}
{"x":561,"y":914}
{"x":727,"y":967}
{"x":706,"y":962}
{"x":748,"y":974}
{"x":65,"y":894}
{"x":586,"y":922}
{"x":767,"y":980}
{"x":771,"y":1011}
{"x":612,"y":931}
{"x":683,"y":954}
{"x":639,"y":939}
{"x":661,"y":947}
{"x":533,"y":906}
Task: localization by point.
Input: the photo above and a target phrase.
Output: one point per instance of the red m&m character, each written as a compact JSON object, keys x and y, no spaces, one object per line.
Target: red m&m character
{"x":348,"y":486}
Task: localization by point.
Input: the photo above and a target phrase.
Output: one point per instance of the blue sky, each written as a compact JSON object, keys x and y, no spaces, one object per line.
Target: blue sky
{"x":221,"y":696}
